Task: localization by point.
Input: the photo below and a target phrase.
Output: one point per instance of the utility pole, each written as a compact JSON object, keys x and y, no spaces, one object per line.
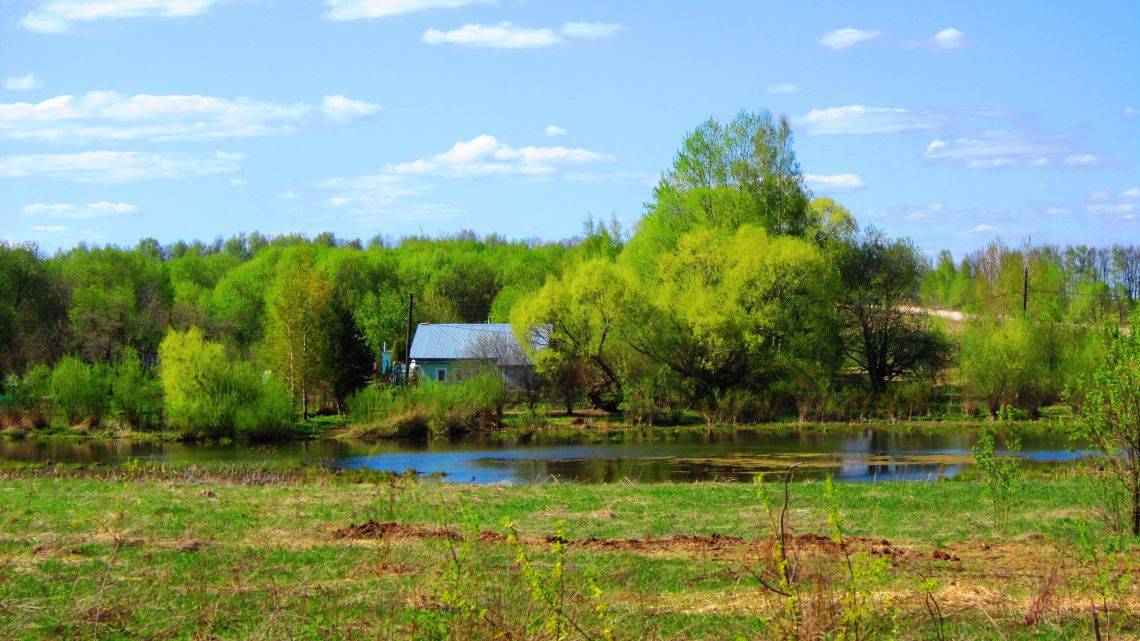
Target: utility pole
{"x":408,"y":343}
{"x":1025,"y":293}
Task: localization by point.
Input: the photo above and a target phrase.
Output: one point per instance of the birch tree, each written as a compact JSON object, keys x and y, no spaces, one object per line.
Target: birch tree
{"x":299,"y":323}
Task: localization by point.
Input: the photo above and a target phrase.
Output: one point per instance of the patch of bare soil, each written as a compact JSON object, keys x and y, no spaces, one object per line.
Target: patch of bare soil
{"x":678,"y":543}
{"x":371,"y":529}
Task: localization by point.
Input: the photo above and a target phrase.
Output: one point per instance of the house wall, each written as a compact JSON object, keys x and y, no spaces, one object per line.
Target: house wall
{"x":430,"y":371}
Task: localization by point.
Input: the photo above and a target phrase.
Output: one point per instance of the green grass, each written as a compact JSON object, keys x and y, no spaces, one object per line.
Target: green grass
{"x":235,"y":552}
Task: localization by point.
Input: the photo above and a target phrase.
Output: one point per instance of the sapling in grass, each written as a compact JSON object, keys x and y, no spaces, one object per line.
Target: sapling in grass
{"x":999,"y":473}
{"x":1106,"y":408}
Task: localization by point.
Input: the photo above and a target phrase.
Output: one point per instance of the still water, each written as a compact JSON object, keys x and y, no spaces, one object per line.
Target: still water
{"x":650,"y":456}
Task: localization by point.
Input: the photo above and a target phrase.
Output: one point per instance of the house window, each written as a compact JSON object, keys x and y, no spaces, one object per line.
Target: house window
{"x":441,"y":374}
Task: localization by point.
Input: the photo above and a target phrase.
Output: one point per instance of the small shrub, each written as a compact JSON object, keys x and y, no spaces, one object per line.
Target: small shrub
{"x":438,"y":409}
{"x":1106,"y":409}
{"x":206,"y":395}
{"x":27,"y":400}
{"x":1000,"y":474}
{"x":80,"y":391}
{"x":136,"y":394}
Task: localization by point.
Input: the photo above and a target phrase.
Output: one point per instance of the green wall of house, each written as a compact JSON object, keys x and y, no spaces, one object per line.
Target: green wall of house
{"x":430,"y":371}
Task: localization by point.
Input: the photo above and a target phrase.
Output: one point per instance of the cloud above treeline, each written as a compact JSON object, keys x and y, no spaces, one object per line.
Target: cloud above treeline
{"x":28,"y":82}
{"x":119,"y":166}
{"x":1010,"y":148}
{"x":861,"y":119}
{"x":485,"y":155}
{"x":68,"y":211}
{"x":839,"y":39}
{"x":829,"y":184}
{"x":62,"y":16}
{"x":506,"y":35}
{"x":370,"y":9}
{"x":109,"y":115}
{"x":848,"y":37}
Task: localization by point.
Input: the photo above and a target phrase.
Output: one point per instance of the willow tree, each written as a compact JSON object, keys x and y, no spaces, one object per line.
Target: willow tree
{"x":299,"y":326}
{"x":739,"y":310}
{"x":577,"y":321}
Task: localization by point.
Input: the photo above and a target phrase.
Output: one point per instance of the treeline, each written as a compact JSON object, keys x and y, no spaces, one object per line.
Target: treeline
{"x":738,"y":294}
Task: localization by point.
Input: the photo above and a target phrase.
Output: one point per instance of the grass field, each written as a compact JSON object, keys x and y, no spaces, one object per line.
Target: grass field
{"x":239,"y":553}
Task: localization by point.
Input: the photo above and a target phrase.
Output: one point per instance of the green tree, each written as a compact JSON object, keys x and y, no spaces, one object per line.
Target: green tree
{"x":80,"y":391}
{"x":1106,"y":409}
{"x":208,"y":395}
{"x":299,"y":323}
{"x":118,"y":299}
{"x":753,"y":154}
{"x":884,"y":332}
{"x":136,"y":393}
{"x":32,"y":312}
{"x":741,"y":309}
{"x":743,"y":172}
{"x":578,"y":317}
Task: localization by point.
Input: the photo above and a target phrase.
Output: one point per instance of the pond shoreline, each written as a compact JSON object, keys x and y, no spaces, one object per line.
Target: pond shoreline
{"x":863,"y":452}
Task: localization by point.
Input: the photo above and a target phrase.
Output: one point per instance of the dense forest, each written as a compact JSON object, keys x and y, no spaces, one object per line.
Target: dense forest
{"x":738,"y":295}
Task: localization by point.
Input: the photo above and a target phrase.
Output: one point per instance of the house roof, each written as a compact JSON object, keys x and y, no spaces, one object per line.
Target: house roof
{"x":458,"y":341}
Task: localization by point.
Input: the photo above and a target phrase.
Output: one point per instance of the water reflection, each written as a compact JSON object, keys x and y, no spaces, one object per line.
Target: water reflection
{"x":633,"y":456}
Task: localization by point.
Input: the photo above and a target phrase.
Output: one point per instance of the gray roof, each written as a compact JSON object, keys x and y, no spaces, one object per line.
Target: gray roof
{"x":457,"y":341}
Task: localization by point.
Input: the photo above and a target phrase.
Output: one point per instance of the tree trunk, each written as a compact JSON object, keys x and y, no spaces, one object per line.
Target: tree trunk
{"x":304,"y":404}
{"x":1136,"y":510}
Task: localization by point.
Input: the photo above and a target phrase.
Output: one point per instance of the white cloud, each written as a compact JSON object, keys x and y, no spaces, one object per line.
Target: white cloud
{"x":508,"y":36}
{"x":288,"y":195}
{"x":946,"y":39}
{"x":591,"y":30}
{"x":501,"y":36}
{"x":343,"y":110}
{"x":1131,"y":193}
{"x":950,"y":39}
{"x":368,"y":9}
{"x":102,"y":209}
{"x":621,"y":176}
{"x":1113,"y":208}
{"x":118,"y":166}
{"x":385,"y":186}
{"x":982,"y":229}
{"x":59,"y":16}
{"x":109,"y":115}
{"x":923,"y":213}
{"x":23,"y":83}
{"x":1131,"y":111}
{"x":238,"y":182}
{"x":1099,"y":195}
{"x":843,"y":38}
{"x":486,"y":156}
{"x":1007,"y":148}
{"x":782,"y":88}
{"x":49,"y":229}
{"x":859,"y":119}
{"x":554,"y":130}
{"x":988,"y":112}
{"x":1081,"y":160}
{"x":383,"y":197}
{"x":834,"y":183}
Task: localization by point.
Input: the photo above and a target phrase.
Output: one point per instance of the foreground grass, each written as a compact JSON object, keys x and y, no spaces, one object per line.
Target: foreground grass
{"x":245,"y":553}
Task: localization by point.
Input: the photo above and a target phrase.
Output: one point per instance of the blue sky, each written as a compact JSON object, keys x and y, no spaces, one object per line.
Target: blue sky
{"x":951,"y":122}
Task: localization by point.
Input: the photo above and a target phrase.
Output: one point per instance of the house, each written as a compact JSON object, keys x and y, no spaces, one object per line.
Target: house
{"x":446,"y":351}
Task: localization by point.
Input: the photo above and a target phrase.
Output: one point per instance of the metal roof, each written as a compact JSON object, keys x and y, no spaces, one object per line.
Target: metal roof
{"x":457,"y":341}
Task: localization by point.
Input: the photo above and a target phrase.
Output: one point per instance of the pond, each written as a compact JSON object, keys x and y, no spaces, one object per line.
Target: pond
{"x":872,"y":454}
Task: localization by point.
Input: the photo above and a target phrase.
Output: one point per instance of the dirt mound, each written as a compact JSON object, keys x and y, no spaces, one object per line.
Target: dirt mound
{"x":682,"y":543}
{"x":371,"y":529}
